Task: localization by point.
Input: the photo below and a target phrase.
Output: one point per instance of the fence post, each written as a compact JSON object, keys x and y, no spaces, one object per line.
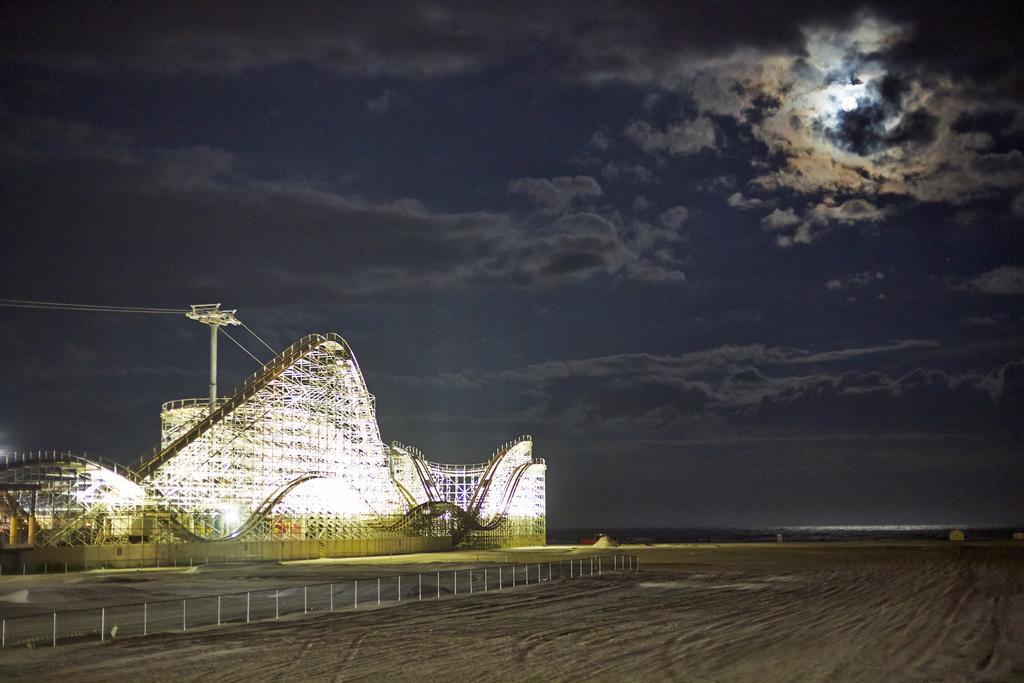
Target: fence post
{"x":247,"y":607}
{"x":355,"y":594}
{"x":570,"y":569}
{"x":3,"y":635}
{"x":55,"y":629}
{"x":513,"y":575}
{"x":485,"y":579}
{"x":549,"y":571}
{"x":184,"y":615}
{"x":103,"y":623}
{"x":470,"y":581}
{"x":378,"y":590}
{"x":421,"y":586}
{"x":455,"y":580}
{"x":439,"y":585}
{"x":277,"y":604}
{"x":332,"y":597}
{"x":399,"y":588}
{"x":145,"y":618}
{"x":499,"y":577}
{"x":218,"y":610}
{"x":304,"y":601}
{"x":599,"y":566}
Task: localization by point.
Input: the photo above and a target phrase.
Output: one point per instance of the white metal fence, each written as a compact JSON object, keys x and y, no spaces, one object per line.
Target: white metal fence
{"x":141,"y":619}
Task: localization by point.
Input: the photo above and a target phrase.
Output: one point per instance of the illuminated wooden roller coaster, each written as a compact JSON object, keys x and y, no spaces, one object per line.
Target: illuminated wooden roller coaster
{"x":294,"y":454}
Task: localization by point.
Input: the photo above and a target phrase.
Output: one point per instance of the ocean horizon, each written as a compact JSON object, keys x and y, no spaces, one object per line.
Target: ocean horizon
{"x":739,"y":534}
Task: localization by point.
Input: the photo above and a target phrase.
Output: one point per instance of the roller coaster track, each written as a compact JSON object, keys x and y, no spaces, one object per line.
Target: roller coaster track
{"x":254,"y":518}
{"x":146,"y":465}
{"x":484,"y":486}
{"x":60,"y":460}
{"x":468,"y":520}
{"x":423,"y":472}
{"x":57,"y":458}
{"x":510,"y":492}
{"x":426,"y":478}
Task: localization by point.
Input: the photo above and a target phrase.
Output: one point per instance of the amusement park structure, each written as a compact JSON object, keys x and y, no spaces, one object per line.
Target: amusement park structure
{"x":292,"y":463}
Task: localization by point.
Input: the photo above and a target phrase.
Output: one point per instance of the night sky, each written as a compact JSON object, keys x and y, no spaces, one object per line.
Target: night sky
{"x":728,"y":263}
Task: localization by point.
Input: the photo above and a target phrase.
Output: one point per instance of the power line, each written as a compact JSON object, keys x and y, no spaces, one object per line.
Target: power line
{"x":258,"y":337}
{"x":95,"y":308}
{"x":102,"y":308}
{"x":225,"y":333}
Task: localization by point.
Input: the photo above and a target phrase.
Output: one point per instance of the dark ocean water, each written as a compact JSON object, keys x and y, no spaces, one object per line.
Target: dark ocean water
{"x":790,"y":533}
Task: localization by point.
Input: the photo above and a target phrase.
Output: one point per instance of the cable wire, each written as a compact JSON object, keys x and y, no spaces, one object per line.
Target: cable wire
{"x":95,"y":308}
{"x":272,"y":350}
{"x":225,"y":332}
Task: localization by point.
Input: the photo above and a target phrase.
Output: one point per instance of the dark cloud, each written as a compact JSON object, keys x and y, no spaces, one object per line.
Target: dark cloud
{"x":717,"y":391}
{"x":413,"y":39}
{"x":858,"y":280}
{"x":761,"y":106}
{"x":915,"y":128}
{"x":387,"y":100}
{"x":387,"y":245}
{"x":1008,"y":280}
{"x":861,"y":131}
{"x":987,"y":121}
{"x":680,"y":138}
{"x":556,"y":194}
{"x":891,"y":89}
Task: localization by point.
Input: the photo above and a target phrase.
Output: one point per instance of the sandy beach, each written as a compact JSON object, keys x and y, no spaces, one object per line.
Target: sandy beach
{"x":735,"y":612}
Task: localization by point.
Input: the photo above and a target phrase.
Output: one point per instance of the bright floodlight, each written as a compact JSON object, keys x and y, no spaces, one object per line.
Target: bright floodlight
{"x":229,"y":516}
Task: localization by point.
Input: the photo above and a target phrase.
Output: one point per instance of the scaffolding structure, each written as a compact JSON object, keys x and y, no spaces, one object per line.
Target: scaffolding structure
{"x":294,"y":454}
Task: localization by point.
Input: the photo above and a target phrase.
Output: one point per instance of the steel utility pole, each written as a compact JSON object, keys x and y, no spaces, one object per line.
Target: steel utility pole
{"x":210,"y":314}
